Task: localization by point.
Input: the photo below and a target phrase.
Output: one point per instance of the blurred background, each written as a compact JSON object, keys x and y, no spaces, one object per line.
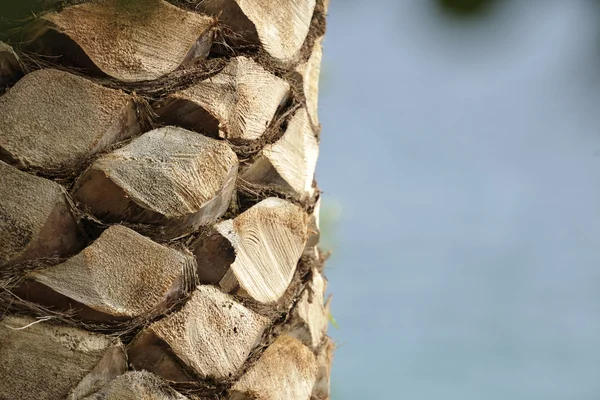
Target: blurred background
{"x":461,"y":160}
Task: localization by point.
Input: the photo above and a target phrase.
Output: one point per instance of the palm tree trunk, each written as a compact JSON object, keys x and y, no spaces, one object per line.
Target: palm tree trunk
{"x":159,"y":214}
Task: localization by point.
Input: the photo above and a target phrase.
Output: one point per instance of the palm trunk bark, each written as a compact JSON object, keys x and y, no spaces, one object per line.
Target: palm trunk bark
{"x":159,"y":214}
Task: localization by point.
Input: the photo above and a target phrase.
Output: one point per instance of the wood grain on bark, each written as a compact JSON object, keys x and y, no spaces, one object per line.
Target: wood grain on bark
{"x":41,"y":361}
{"x":286,"y":371}
{"x":131,"y":41}
{"x":310,"y":72}
{"x":279,"y":27}
{"x":314,"y":230}
{"x":238,"y":103}
{"x":10,"y":66}
{"x":214,"y":254}
{"x":169,"y":177}
{"x":122,"y":274}
{"x":309,"y":317}
{"x":267,"y":242}
{"x":35,"y":218}
{"x":321,"y":390}
{"x":136,"y":385}
{"x":289,"y":163}
{"x":212,"y":335}
{"x":113,"y":364}
{"x":53,"y":120}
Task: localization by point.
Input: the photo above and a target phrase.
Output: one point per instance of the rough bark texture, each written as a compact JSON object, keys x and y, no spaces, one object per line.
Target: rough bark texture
{"x":169,"y":177}
{"x":43,"y":361}
{"x":47,"y":132}
{"x":137,"y":385}
{"x":310,"y":72}
{"x":130,"y":40}
{"x":159,"y":221}
{"x":212,"y":335}
{"x":288,"y":164}
{"x":122,"y":274}
{"x":10,"y":66}
{"x":35,"y":218}
{"x":310,"y":319}
{"x":279,"y":27}
{"x":268,"y":240}
{"x":227,"y":104}
{"x":324,"y":359}
{"x":286,"y":370}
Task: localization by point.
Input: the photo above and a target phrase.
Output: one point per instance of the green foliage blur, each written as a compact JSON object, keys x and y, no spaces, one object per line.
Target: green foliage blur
{"x":331,"y":213}
{"x":466,"y":8}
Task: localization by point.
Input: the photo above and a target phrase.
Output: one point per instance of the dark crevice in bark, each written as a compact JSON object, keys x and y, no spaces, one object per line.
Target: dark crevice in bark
{"x":151,"y":90}
{"x":250,"y":194}
{"x":11,"y":303}
{"x":66,"y":177}
{"x":246,"y":152}
{"x":14,"y":286}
